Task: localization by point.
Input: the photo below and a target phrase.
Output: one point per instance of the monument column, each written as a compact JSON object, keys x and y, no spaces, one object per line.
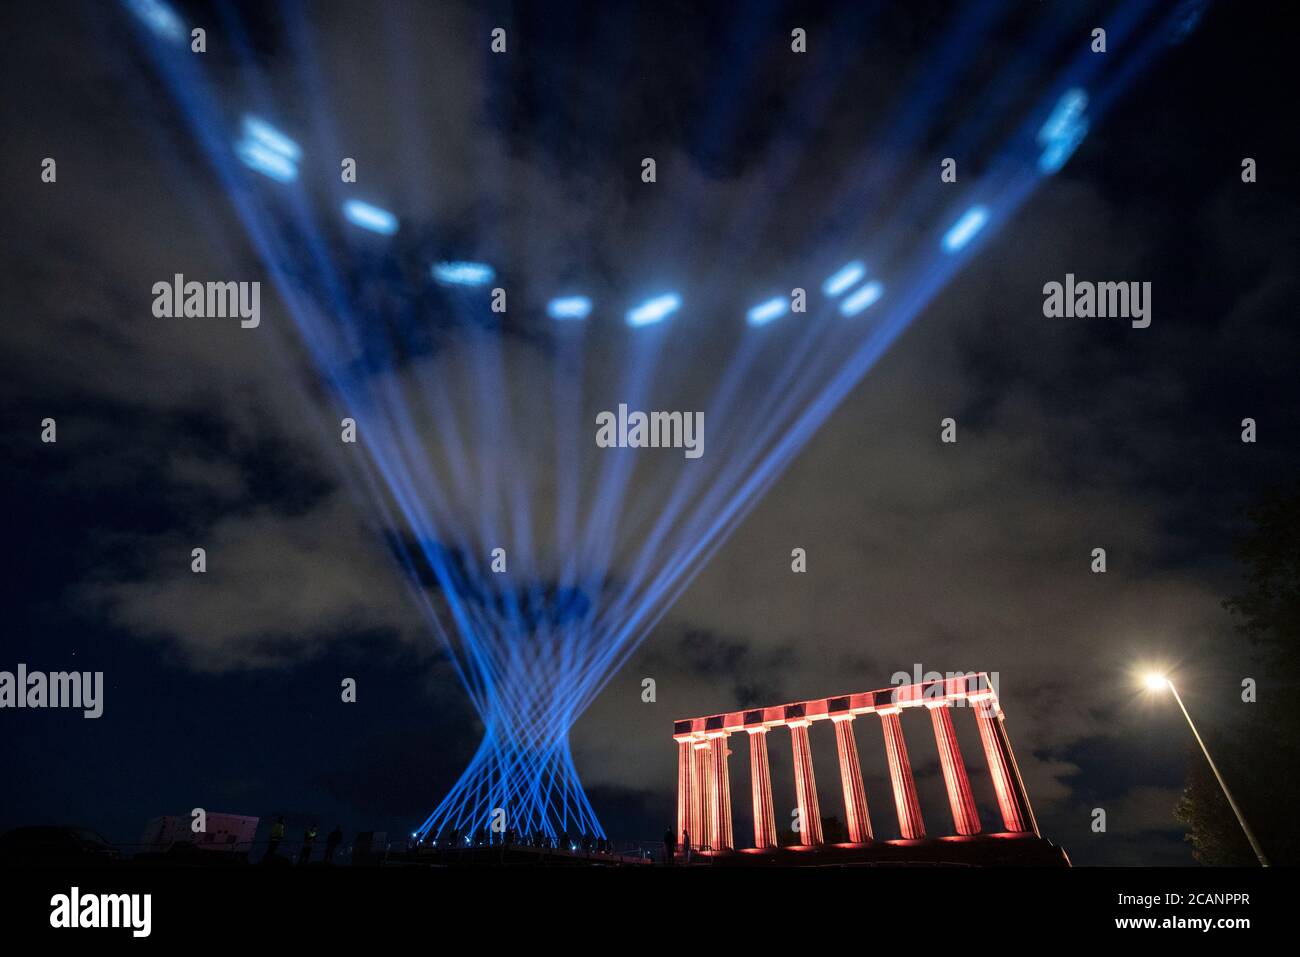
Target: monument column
{"x":760,"y":775}
{"x":900,"y":776}
{"x":1013,"y":802}
{"x":702,"y":814}
{"x":855,"y":795}
{"x":685,"y":790}
{"x":723,"y":839}
{"x":810,"y":815}
{"x":964,"y":816}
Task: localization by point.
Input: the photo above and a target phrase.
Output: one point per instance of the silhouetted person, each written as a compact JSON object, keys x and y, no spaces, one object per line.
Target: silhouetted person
{"x":686,"y":846}
{"x":277,"y":835}
{"x":308,"y":841}
{"x":670,"y":846}
{"x":332,"y":843}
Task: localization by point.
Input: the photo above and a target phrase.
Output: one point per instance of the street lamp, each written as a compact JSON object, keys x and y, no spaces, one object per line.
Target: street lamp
{"x":1158,"y":682}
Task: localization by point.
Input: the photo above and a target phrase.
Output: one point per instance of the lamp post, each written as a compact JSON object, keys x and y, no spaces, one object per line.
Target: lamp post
{"x":1158,"y":682}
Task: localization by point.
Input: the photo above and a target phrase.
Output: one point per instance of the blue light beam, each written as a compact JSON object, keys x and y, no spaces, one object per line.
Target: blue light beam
{"x":1058,"y":152}
{"x":158,"y":17}
{"x":463,"y":273}
{"x":569,"y":307}
{"x":1063,"y":130}
{"x":862,"y":298}
{"x":844,"y":278}
{"x":369,"y":217}
{"x":965,"y":229}
{"x":654,"y":310}
{"x":1067,"y":112}
{"x":767,"y":311}
{"x":261,"y":159}
{"x":259,"y":131}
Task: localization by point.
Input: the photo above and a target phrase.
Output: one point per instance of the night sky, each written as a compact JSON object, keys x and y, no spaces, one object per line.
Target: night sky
{"x":223,"y":691}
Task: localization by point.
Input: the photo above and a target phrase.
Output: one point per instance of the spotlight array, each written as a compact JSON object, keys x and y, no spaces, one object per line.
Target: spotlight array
{"x":533,"y":657}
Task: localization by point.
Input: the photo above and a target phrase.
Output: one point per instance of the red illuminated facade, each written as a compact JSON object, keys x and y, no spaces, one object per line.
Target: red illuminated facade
{"x":704,"y":789}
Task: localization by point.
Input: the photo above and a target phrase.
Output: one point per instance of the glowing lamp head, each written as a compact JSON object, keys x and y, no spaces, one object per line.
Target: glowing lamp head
{"x":861,"y":298}
{"x":463,"y":273}
{"x":1156,"y":681}
{"x":844,"y":278}
{"x":569,"y":307}
{"x":654,"y":310}
{"x":965,"y":229}
{"x":767,"y":311}
{"x":370,"y":217}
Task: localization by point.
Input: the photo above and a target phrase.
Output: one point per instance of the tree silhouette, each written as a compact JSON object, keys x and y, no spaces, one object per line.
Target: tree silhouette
{"x":1265,"y":756}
